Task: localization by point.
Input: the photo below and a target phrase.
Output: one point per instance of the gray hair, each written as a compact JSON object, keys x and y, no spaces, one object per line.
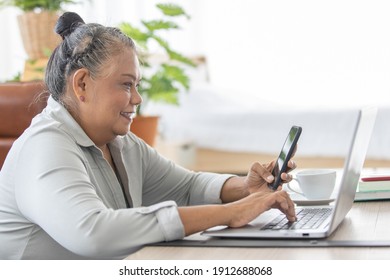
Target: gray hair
{"x":87,"y":46}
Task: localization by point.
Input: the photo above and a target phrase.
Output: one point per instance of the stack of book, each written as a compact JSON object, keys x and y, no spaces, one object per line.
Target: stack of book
{"x":373,"y":187}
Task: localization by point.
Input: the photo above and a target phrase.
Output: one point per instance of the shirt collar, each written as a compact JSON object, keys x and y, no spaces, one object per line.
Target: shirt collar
{"x":68,"y":123}
{"x":59,"y":113}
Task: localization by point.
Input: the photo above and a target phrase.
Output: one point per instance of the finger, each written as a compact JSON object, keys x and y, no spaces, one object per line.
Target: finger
{"x":291,"y":165}
{"x":291,"y":215}
{"x":295,"y":150}
{"x":287,"y":206}
{"x":286,"y":177}
{"x":263,"y":172}
{"x":270,"y":166}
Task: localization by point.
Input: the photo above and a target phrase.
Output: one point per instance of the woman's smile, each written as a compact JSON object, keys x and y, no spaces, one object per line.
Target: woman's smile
{"x":128,"y":115}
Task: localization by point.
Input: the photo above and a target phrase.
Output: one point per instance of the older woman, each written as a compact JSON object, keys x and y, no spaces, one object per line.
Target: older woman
{"x":77,"y":184}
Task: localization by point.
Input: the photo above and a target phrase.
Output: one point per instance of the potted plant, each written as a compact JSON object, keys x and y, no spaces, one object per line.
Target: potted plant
{"x":164,"y":79}
{"x":36,"y":25}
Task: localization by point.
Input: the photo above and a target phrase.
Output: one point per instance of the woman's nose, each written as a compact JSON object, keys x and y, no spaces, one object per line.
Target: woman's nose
{"x":136,"y":98}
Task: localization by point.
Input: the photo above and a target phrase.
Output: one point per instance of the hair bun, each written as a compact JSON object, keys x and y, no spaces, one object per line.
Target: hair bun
{"x":67,"y":23}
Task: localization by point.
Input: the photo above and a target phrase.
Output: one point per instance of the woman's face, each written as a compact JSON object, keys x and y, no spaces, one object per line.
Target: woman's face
{"x":111,"y":99}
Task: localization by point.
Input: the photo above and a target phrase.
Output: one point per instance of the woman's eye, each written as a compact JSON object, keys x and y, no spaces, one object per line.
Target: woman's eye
{"x":129,"y":85}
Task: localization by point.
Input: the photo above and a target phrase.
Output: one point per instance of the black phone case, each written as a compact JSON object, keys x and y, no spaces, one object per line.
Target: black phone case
{"x":283,"y":169}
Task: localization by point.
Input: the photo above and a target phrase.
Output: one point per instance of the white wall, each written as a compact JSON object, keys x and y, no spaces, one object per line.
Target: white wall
{"x":299,"y":52}
{"x":316,"y":51}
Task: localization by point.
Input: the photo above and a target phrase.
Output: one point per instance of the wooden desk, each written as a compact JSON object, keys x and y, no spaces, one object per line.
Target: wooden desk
{"x":365,"y":221}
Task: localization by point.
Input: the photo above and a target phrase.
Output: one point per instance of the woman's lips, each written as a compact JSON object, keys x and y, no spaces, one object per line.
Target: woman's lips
{"x":128,"y":115}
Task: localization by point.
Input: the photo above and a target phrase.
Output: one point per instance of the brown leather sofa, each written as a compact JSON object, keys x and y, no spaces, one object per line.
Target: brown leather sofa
{"x":19,"y":103}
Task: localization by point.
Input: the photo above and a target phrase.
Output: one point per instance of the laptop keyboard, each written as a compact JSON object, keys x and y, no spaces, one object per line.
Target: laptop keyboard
{"x":307,"y":218}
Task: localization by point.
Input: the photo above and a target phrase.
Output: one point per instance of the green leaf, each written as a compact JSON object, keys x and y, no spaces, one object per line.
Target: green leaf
{"x":179,"y":57}
{"x":32,"y":61}
{"x":47,"y":52}
{"x":16,"y":78}
{"x":29,"y":5}
{"x":172,"y":10}
{"x":169,"y":97}
{"x":164,"y":81}
{"x":154,"y":25}
{"x":39,"y":69}
{"x":134,"y":33}
{"x":161,"y":42}
{"x":162,"y":89}
{"x":176,"y":73}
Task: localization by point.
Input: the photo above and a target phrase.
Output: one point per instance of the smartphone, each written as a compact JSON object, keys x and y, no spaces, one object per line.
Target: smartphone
{"x":285,"y":155}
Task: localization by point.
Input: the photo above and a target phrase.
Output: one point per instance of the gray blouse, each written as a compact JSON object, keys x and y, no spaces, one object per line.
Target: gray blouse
{"x":60,"y":199}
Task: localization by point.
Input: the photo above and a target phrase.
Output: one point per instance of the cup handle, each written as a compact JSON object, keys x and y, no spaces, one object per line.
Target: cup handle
{"x":291,"y":189}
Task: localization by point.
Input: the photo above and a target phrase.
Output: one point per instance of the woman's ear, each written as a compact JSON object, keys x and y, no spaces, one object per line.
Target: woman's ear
{"x":79,"y":84}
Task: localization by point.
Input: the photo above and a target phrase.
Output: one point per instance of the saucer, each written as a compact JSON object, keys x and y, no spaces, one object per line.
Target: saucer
{"x":302,"y":201}
{"x":312,"y":202}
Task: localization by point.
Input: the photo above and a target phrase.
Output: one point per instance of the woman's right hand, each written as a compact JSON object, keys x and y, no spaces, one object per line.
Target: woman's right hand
{"x":247,"y":209}
{"x":237,"y":213}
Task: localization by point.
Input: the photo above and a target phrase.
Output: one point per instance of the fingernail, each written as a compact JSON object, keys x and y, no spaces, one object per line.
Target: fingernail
{"x":270,"y":178}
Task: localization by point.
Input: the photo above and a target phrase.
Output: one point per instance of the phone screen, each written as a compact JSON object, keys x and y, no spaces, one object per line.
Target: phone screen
{"x":285,"y":154}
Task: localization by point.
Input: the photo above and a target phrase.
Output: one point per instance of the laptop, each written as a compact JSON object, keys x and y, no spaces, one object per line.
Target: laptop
{"x":331,"y":215}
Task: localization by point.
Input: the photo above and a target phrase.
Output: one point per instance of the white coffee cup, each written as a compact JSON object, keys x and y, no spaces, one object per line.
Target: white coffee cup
{"x":315,"y":184}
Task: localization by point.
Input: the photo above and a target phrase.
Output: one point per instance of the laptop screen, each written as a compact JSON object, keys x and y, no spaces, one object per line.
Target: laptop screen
{"x":353,"y":164}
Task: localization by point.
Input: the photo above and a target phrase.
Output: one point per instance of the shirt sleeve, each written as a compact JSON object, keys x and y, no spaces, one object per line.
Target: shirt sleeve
{"x":53,"y":191}
{"x":164,"y":180}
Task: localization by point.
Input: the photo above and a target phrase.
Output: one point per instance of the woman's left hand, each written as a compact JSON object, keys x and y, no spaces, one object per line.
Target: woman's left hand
{"x":259,"y":176}
{"x":257,"y":179}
